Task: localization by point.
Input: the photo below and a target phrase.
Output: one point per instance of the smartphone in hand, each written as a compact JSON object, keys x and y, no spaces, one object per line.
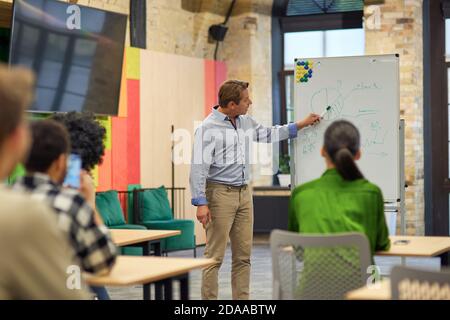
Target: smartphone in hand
{"x":72,"y":179}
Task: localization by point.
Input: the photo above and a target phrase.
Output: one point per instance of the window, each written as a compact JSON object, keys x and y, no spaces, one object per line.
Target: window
{"x":314,"y":44}
{"x":436,"y":41}
{"x":447,"y":65}
{"x":307,"y":7}
{"x":308,"y":29}
{"x":317,"y":44}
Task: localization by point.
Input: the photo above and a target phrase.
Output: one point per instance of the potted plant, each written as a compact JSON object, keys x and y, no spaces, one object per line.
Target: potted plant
{"x":284,"y":175}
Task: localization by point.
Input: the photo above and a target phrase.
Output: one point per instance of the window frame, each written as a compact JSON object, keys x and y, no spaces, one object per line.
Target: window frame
{"x":282,"y":24}
{"x":435,"y":115}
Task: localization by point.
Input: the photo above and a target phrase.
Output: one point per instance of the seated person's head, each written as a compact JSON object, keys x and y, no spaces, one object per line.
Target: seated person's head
{"x":86,"y":136}
{"x":341,"y":147}
{"x":50,"y":150}
{"x":16,"y":94}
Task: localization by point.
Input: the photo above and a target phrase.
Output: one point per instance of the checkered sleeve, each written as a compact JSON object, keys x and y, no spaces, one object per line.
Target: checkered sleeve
{"x":95,"y":248}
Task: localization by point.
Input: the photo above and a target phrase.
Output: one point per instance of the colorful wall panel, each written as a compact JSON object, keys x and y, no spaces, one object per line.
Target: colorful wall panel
{"x":122,"y":138}
{"x":119,"y":151}
{"x":160,"y":90}
{"x":133,"y":132}
{"x":180,"y":91}
{"x":215,"y":75}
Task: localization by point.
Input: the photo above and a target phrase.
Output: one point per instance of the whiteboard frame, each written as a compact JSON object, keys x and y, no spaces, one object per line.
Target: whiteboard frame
{"x":400,"y":144}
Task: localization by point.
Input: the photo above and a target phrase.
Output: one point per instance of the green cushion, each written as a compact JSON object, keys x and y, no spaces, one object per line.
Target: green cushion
{"x":184,"y":241}
{"x":131,"y":251}
{"x":108,"y":206}
{"x":155,"y":205}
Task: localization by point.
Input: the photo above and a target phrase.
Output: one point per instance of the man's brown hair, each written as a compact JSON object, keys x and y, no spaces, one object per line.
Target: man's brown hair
{"x":50,"y":141}
{"x":230,"y":91}
{"x":16,"y":94}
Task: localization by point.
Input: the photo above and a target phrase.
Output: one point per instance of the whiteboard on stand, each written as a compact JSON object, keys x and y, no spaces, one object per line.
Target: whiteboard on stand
{"x":363,"y":90}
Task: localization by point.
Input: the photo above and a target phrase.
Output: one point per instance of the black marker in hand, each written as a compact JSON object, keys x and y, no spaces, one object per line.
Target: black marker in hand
{"x":325,"y":112}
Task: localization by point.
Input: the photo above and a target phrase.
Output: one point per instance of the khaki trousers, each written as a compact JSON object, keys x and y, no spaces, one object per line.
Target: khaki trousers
{"x":231,"y":217}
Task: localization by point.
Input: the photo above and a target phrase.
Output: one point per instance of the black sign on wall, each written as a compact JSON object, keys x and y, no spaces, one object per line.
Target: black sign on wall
{"x":138,"y":25}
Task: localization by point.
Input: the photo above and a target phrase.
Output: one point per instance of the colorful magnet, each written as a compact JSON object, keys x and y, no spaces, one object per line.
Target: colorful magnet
{"x":303,"y":70}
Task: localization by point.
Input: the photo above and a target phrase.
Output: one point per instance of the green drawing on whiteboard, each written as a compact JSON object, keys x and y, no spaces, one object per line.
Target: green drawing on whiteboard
{"x":347,"y":105}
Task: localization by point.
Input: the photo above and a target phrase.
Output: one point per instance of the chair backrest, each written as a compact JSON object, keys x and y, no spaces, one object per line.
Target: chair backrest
{"x":108,"y":205}
{"x":414,"y":284}
{"x":174,"y":207}
{"x":318,"y":266}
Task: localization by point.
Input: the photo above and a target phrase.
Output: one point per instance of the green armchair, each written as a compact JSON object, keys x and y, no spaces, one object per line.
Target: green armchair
{"x":108,"y":205}
{"x":150,"y":207}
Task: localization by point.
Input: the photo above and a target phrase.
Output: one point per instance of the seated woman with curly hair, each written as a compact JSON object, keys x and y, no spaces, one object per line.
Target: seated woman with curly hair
{"x":87,"y":136}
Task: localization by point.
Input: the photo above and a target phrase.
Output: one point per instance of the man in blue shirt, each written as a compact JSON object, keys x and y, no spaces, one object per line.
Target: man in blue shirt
{"x":219,"y":182}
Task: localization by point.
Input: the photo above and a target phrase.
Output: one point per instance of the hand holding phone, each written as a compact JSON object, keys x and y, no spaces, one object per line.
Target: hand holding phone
{"x":72,"y":179}
{"x":87,"y":188}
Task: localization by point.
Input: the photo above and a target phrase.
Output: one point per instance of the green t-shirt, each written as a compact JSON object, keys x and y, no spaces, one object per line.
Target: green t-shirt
{"x":331,"y":204}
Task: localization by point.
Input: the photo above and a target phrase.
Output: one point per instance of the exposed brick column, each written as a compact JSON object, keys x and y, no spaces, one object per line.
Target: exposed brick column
{"x":401,"y":32}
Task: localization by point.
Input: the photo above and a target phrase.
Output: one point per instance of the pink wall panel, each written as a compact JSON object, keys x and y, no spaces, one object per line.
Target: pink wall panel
{"x":215,"y":75}
{"x":104,"y":173}
{"x":221,"y":74}
{"x":119,"y":162}
{"x":210,"y":85}
{"x":133,"y":132}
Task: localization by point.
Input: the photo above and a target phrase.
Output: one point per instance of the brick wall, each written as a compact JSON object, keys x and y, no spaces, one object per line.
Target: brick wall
{"x":247,"y":52}
{"x":181,"y":27}
{"x":401,"y":32}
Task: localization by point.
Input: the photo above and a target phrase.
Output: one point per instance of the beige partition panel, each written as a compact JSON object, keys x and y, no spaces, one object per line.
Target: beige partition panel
{"x":172,"y":92}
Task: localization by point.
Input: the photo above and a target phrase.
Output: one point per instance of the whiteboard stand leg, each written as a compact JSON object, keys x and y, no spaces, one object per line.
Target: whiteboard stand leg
{"x":292,"y":150}
{"x":402,"y":209}
{"x":403,"y":263}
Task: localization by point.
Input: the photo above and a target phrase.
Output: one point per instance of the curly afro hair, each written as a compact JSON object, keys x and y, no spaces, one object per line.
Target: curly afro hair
{"x":87,"y":136}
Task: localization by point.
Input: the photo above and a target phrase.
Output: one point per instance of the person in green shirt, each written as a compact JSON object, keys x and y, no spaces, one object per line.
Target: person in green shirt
{"x":341,"y":200}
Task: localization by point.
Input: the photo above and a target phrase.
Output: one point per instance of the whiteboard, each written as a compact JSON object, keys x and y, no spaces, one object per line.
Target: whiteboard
{"x":363,"y":90}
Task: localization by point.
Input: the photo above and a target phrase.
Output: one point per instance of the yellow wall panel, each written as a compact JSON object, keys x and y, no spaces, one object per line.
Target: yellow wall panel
{"x":123,"y":89}
{"x":133,"y":63}
{"x":106,"y":123}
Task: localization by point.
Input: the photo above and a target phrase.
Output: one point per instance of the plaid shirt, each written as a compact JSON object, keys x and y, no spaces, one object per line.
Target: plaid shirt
{"x":92,"y":243}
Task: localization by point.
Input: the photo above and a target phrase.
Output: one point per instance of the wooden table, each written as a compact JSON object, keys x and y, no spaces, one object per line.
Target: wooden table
{"x":146,"y":239}
{"x":130,"y":270}
{"x":383,"y":292}
{"x":417,"y":246}
{"x":404,"y":246}
{"x":142,"y":238}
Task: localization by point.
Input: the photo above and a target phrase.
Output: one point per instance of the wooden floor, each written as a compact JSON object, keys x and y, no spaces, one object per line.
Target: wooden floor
{"x":261,"y":277}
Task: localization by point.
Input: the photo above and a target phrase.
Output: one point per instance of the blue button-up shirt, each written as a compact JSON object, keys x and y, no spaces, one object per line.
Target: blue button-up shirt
{"x":221,"y":151}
